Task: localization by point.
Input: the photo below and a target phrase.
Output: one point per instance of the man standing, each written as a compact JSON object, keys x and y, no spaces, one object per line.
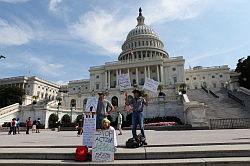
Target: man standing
{"x":119,"y":123}
{"x":102,"y":110}
{"x":137,"y":104}
{"x":28,"y":125}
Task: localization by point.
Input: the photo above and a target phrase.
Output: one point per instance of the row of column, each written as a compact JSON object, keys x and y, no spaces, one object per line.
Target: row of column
{"x":147,"y":73}
{"x":136,"y":54}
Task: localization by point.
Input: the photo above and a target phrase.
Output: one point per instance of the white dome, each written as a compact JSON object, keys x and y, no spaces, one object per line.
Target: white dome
{"x":143,"y":41}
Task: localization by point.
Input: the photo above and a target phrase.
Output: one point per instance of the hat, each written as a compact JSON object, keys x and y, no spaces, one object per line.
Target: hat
{"x":106,"y":120}
{"x":101,"y":93}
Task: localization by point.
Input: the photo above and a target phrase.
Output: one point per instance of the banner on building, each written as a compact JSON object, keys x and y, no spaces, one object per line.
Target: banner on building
{"x":89,"y":128}
{"x":124,"y":81}
{"x":151,"y":85}
{"x":103,"y":146}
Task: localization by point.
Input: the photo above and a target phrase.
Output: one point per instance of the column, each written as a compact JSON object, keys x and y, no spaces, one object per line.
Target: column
{"x":157,"y":72}
{"x":137,"y":76}
{"x":149,"y":72}
{"x":162,"y":74}
{"x":151,"y":55}
{"x":145,"y":72}
{"x":108,"y":79}
{"x":129,"y":76}
{"x":117,"y":73}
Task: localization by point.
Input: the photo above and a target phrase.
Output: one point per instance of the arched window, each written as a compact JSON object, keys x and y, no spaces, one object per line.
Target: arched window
{"x":85,"y":102}
{"x":73,"y":103}
{"x":114,"y":101}
{"x":65,"y":121}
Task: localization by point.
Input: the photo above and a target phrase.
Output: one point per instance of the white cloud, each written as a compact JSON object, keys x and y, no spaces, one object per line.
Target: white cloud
{"x":17,"y":33}
{"x":169,"y":10}
{"x":43,"y":66}
{"x":102,"y":28}
{"x":53,"y":5}
{"x":14,"y":1}
{"x":107,"y":30}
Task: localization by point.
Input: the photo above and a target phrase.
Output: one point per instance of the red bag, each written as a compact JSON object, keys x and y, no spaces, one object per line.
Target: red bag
{"x":81,"y":153}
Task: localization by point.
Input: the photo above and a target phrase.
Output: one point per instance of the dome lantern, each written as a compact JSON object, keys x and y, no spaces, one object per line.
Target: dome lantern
{"x":140,"y":18}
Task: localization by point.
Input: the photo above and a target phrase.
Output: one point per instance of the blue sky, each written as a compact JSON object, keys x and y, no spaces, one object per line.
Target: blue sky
{"x":59,"y":40}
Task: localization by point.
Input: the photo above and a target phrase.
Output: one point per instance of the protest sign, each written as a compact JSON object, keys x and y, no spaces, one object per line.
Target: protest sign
{"x":124,"y":81}
{"x":103,"y":146}
{"x":91,"y":104}
{"x":151,"y":85}
{"x":89,"y":127}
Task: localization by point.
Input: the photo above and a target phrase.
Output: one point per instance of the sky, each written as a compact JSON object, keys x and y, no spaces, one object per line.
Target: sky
{"x":59,"y":40}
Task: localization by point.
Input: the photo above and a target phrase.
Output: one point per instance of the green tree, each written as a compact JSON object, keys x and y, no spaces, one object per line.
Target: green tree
{"x":243,"y":67}
{"x":11,"y":95}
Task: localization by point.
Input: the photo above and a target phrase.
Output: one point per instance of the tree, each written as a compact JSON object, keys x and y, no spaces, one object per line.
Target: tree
{"x":243,"y":67}
{"x":11,"y":95}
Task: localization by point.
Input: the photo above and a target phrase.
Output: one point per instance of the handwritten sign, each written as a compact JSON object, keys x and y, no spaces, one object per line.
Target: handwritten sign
{"x":124,"y":81}
{"x":89,"y":128}
{"x":91,"y":104}
{"x":103,"y":146}
{"x":151,"y":85}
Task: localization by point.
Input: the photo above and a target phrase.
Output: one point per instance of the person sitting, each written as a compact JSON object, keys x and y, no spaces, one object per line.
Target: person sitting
{"x":106,"y":126}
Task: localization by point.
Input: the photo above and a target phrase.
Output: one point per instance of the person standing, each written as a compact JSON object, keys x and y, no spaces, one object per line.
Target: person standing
{"x":28,"y":125}
{"x":119,"y":123}
{"x":18,"y":126}
{"x":102,"y":110}
{"x":12,"y":124}
{"x":137,"y":105}
{"x":38,"y":125}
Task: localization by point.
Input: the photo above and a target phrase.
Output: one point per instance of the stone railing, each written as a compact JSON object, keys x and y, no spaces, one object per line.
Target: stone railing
{"x":9,"y":109}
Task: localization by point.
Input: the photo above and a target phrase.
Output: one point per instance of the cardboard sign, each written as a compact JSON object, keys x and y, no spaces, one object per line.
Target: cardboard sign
{"x":124,"y":81}
{"x":89,"y":128}
{"x":91,"y":104}
{"x":103,"y":146}
{"x":151,"y":85}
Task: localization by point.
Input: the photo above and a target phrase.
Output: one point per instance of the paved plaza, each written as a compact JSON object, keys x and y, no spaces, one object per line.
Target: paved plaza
{"x":154,"y":138}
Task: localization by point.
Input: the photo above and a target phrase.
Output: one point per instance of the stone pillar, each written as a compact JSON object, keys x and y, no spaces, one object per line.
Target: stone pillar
{"x":145,"y":72}
{"x":151,"y":55}
{"x":109,"y":79}
{"x":106,"y":79}
{"x":149,"y":72}
{"x":137,"y":76}
{"x":162,"y":74}
{"x":117,"y":73}
{"x":157,"y":72}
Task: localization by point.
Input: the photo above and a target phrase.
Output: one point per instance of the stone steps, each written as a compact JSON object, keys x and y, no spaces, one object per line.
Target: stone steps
{"x":142,"y":153}
{"x":225,"y":161}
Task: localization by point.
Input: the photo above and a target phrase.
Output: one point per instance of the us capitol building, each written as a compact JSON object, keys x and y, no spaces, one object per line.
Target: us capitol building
{"x":143,"y":55}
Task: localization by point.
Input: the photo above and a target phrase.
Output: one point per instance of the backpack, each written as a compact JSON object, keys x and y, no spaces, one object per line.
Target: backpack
{"x":135,"y":143}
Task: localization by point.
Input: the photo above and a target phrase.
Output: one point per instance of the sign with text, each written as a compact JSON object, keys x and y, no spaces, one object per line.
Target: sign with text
{"x":89,"y":128}
{"x":151,"y":85}
{"x":103,"y":146}
{"x":124,"y":81}
{"x":91,"y":104}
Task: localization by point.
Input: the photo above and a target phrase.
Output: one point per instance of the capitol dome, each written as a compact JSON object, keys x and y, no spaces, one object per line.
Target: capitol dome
{"x":142,"y":42}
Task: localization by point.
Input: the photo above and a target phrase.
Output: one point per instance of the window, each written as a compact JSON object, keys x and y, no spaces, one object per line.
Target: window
{"x":38,"y":86}
{"x":221,"y":76}
{"x":213,"y":77}
{"x":142,"y":43}
{"x":142,"y":72}
{"x":74,"y":88}
{"x":147,"y":43}
{"x":203,"y":77}
{"x":187,"y":79}
{"x":139,"y":43}
{"x":97,"y":86}
{"x":222,"y":84}
{"x":214,"y":85}
{"x":97,"y":76}
{"x":194,"y":78}
{"x":175,"y":79}
{"x":173,"y":68}
{"x":133,"y":73}
{"x":86,"y":87}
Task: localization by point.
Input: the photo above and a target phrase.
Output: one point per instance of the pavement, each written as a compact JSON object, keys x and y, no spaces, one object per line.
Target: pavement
{"x":154,"y":138}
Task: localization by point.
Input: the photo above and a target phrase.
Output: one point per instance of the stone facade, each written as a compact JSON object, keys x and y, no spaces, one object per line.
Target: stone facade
{"x":33,"y":86}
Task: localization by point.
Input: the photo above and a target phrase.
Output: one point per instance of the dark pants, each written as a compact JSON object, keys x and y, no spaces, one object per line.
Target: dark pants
{"x":137,"y":119}
{"x":11,"y":130}
{"x":99,"y":119}
{"x":27,"y":129}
